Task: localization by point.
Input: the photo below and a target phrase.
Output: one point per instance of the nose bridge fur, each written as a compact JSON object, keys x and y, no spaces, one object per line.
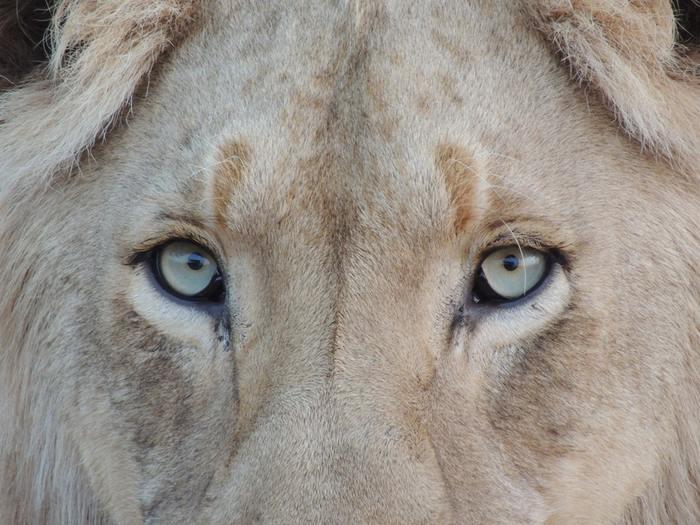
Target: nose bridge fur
{"x":340,"y":162}
{"x":350,"y":445}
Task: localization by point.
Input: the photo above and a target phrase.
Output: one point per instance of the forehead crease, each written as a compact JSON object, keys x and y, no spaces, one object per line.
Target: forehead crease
{"x":457,"y":166}
{"x":232,"y":161}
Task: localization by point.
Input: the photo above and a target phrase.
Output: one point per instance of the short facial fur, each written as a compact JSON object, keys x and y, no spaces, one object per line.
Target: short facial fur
{"x":350,"y":163}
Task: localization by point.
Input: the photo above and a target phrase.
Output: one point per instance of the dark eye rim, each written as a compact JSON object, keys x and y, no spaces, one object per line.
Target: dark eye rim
{"x":483,"y":294}
{"x":215,"y":292}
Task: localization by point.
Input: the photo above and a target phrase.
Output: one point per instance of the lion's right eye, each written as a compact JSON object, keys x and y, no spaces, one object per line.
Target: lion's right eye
{"x":188,"y":271}
{"x":511,"y":273}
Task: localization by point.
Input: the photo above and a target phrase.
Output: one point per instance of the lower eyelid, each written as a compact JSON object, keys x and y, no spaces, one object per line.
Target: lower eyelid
{"x":144,"y":264}
{"x":489,"y":329}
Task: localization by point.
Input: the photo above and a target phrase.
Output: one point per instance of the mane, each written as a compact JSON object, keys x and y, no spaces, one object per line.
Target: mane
{"x":97,"y":55}
{"x":635,"y":54}
{"x":639,"y":56}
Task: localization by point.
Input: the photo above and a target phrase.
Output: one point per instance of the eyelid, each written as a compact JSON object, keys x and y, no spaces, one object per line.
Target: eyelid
{"x":143,"y":250}
{"x":561,"y":252}
{"x":554,"y":252}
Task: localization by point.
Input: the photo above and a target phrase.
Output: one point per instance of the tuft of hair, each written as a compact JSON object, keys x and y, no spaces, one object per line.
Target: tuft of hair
{"x":643,"y":56}
{"x":71,"y":66}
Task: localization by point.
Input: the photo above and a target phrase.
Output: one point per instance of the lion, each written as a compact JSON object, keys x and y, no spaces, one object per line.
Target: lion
{"x":356,"y":261}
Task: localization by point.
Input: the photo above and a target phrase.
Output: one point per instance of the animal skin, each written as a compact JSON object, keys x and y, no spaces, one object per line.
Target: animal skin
{"x":350,"y":164}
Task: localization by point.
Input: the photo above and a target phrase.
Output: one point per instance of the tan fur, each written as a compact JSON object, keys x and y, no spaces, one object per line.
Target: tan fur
{"x":626,"y":49}
{"x":461,"y":180}
{"x":93,"y":44}
{"x":349,"y":164}
{"x":232,"y":160}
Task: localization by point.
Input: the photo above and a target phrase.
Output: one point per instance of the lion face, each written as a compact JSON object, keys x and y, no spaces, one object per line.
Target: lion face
{"x":292,"y":285}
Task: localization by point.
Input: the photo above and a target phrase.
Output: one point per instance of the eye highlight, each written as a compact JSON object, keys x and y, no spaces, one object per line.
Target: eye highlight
{"x":188,"y":271}
{"x":510,"y":273}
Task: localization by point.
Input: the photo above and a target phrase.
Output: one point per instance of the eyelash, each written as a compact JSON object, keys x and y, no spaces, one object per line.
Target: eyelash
{"x":145,"y":252}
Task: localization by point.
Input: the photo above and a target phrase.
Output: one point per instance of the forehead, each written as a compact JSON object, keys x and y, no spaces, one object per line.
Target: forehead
{"x":359,"y":103}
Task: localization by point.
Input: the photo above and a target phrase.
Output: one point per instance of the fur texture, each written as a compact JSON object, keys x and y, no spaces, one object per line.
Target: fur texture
{"x":76,"y":96}
{"x":349,"y":164}
{"x":628,"y":50}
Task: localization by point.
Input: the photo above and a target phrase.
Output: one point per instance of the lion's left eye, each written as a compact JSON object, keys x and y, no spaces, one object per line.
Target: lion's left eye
{"x":510,"y":273}
{"x":188,"y":271}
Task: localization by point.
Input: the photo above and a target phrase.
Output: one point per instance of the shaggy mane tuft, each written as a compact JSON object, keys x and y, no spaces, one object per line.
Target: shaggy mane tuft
{"x":642,"y":57}
{"x":98,"y":53}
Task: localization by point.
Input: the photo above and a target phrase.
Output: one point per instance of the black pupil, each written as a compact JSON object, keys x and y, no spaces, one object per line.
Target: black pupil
{"x":511,"y":263}
{"x":195,"y":261}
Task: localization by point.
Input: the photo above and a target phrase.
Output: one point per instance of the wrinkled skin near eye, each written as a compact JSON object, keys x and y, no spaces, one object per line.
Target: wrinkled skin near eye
{"x":511,"y":273}
{"x":188,"y":271}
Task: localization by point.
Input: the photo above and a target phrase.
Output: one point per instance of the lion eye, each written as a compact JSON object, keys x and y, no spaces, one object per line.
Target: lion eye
{"x":188,"y":271}
{"x":510,"y":273}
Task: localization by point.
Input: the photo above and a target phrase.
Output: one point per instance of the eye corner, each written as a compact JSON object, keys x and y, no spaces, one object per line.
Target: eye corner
{"x":561,"y":256}
{"x":137,"y":258}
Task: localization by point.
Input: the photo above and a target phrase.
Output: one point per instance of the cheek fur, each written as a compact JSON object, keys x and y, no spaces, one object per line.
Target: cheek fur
{"x":176,"y":404}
